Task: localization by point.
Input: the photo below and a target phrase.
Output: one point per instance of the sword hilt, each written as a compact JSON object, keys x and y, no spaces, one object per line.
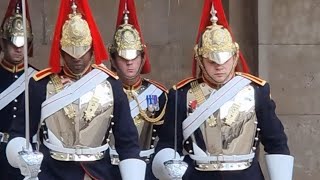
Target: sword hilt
{"x":176,"y":168}
{"x":30,"y":163}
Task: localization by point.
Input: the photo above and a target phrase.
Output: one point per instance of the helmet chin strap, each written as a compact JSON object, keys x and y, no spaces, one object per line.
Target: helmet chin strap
{"x":232,"y":71}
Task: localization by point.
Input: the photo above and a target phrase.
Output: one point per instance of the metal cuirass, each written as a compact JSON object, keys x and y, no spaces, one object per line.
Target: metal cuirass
{"x":82,"y":124}
{"x":228,"y":132}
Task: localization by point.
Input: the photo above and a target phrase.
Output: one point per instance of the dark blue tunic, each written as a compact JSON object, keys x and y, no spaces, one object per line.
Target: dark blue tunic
{"x":157,"y":128}
{"x":8,"y":75}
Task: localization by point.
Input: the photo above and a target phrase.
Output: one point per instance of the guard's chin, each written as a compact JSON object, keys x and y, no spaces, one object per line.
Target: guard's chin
{"x":17,"y":60}
{"x":219,"y":80}
{"x":78,"y":70}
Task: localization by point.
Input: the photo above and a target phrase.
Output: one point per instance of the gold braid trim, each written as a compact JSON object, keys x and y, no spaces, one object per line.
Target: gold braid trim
{"x":157,"y":120}
{"x":195,"y":87}
{"x":58,"y":86}
{"x":198,"y":94}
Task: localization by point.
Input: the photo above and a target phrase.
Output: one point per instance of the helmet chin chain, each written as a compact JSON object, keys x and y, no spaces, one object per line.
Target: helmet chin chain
{"x":219,"y":84}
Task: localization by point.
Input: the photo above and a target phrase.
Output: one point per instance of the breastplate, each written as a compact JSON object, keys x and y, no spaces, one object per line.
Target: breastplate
{"x":231,"y":129}
{"x":85,"y":122}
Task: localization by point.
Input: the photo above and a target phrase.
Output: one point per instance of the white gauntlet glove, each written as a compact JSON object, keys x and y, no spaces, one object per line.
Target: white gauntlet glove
{"x":132,"y":169}
{"x":280,"y":166}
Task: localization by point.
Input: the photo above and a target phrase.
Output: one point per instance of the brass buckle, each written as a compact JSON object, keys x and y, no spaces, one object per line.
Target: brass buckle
{"x":115,"y":160}
{"x":219,"y":161}
{"x":78,"y":150}
{"x":4,"y":137}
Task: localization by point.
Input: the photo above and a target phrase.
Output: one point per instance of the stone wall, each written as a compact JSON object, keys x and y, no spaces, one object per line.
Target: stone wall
{"x":289,"y":60}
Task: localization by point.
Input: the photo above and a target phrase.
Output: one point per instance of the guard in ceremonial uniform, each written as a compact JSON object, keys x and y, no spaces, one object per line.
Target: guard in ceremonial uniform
{"x":12,"y":77}
{"x":74,"y":108}
{"x":147,"y":98}
{"x":222,"y":115}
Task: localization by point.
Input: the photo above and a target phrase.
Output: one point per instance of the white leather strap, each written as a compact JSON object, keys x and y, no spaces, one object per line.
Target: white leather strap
{"x":224,"y":158}
{"x":151,"y":90}
{"x":212,"y":104}
{"x":78,"y":151}
{"x":145,"y":153}
{"x":72,"y":93}
{"x":15,"y":89}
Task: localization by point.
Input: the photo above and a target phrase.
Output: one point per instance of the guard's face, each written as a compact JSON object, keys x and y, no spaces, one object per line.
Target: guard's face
{"x":12,"y":53}
{"x":77,"y":65}
{"x":220,"y":73}
{"x":129,"y":68}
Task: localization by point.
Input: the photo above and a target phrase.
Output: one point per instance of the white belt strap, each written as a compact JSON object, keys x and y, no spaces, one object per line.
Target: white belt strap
{"x":15,"y":89}
{"x":78,"y":151}
{"x":223,"y":158}
{"x":151,"y":90}
{"x":212,"y":104}
{"x":145,"y":153}
{"x":72,"y":93}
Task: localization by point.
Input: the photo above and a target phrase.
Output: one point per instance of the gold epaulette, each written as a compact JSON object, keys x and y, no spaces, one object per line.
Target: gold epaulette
{"x":158,"y":85}
{"x":183,"y":82}
{"x":42,"y":74}
{"x":255,"y":79}
{"x":106,"y":70}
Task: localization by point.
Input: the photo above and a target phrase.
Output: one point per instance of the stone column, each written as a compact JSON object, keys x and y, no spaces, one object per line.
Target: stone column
{"x":289,"y":59}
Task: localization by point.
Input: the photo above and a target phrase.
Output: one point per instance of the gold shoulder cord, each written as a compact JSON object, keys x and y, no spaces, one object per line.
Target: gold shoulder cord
{"x":157,"y":120}
{"x":195,"y":87}
{"x":58,"y":86}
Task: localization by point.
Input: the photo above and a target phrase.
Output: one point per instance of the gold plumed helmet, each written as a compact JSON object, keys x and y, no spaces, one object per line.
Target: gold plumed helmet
{"x":127,"y":42}
{"x":216,"y":42}
{"x":76,"y":39}
{"x":12,"y":26}
{"x":75,"y":33}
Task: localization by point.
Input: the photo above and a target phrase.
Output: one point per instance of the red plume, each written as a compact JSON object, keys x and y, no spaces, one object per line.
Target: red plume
{"x":133,"y":20}
{"x":222,"y":20}
{"x":99,"y":50}
{"x":11,"y":11}
{"x":64,"y":10}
